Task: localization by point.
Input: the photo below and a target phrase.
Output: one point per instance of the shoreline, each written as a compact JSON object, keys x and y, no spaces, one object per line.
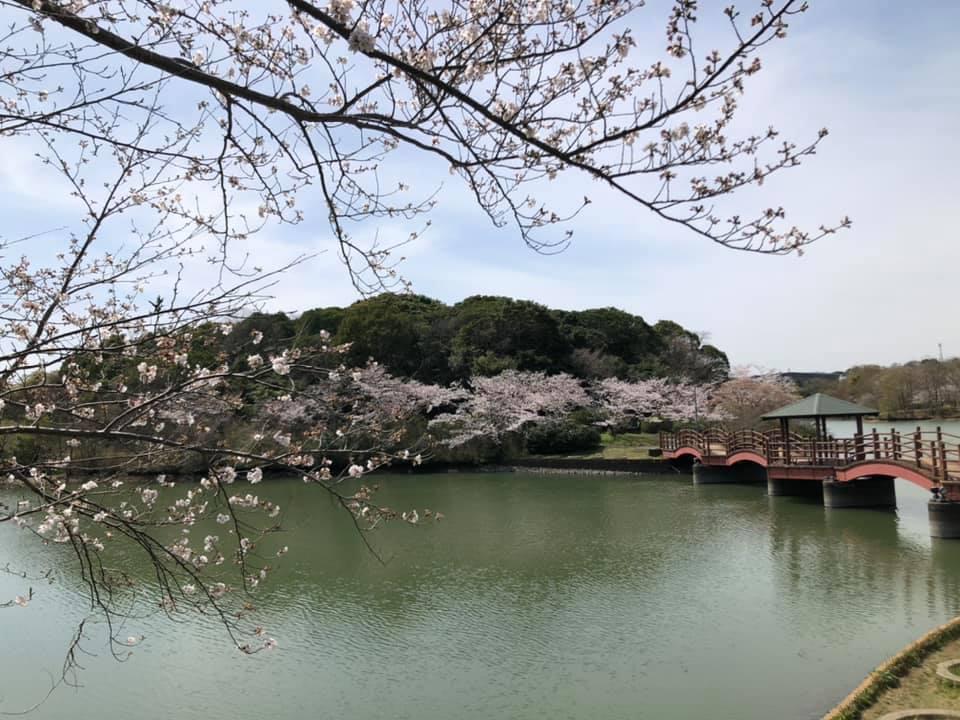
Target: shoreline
{"x":583,"y":471}
{"x":544,"y":465}
{"x":888,"y":673}
{"x":597,"y":466}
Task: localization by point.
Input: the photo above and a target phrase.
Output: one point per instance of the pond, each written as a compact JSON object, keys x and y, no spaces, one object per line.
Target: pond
{"x":538,"y":596}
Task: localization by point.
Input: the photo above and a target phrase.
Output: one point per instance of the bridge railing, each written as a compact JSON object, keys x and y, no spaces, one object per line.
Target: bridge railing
{"x":670,"y":441}
{"x":934,"y":452}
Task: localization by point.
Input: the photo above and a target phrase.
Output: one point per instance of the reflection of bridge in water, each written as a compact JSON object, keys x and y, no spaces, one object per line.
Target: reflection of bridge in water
{"x":845,"y":472}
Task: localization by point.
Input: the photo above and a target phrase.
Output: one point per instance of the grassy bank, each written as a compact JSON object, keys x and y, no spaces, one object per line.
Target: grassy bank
{"x":626,"y":446}
{"x":907,"y":680}
{"x":921,"y":687}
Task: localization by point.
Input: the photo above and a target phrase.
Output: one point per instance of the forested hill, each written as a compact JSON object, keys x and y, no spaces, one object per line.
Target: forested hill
{"x":416,"y":336}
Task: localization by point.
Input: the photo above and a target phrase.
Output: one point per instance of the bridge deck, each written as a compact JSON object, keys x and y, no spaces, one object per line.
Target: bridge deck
{"x":930,"y":458}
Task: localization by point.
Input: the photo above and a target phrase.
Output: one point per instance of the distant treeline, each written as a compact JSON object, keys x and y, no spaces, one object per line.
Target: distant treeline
{"x":425,"y":339}
{"x":917,"y":389}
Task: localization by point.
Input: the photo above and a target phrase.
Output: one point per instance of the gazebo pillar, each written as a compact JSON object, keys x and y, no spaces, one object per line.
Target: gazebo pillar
{"x":785,"y":436}
{"x":858,"y":440}
{"x":816,"y":439}
{"x":819,"y":449}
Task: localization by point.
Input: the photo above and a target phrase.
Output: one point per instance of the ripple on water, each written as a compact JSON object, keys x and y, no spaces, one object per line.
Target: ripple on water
{"x":539,"y":596}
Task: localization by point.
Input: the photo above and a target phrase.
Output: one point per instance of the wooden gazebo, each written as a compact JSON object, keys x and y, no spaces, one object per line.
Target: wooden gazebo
{"x":818,"y":408}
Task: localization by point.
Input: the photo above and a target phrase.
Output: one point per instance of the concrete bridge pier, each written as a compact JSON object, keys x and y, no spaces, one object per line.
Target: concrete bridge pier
{"x":944,"y":519}
{"x":863,"y":492}
{"x":743,"y":472}
{"x":794,"y":488}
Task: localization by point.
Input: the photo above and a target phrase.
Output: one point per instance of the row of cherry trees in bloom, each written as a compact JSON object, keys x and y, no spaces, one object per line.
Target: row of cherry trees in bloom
{"x":491,"y":407}
{"x":406,"y":412}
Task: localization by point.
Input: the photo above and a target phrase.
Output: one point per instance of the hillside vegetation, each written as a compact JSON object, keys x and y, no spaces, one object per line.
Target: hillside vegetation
{"x":425,"y":339}
{"x":485,"y":378}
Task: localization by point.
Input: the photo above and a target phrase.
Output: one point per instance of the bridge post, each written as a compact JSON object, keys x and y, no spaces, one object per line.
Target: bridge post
{"x":944,"y":519}
{"x":743,"y":472}
{"x":778,"y":487}
{"x":860,"y":493}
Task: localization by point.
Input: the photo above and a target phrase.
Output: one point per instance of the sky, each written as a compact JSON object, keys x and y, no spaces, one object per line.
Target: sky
{"x":880,"y":74}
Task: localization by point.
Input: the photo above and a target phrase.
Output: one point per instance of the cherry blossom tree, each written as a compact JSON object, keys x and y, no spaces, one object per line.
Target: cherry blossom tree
{"x":694,"y":402}
{"x":388,"y":415}
{"x":106,"y":385}
{"x":749,"y":394}
{"x":256,"y":108}
{"x":623,"y":402}
{"x":509,"y":401}
{"x":394,"y":397}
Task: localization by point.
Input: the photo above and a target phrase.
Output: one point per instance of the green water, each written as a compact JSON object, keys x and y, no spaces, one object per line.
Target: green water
{"x":537,"y":597}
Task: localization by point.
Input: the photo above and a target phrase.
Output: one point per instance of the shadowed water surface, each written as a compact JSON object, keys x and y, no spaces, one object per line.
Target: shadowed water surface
{"x":537,"y":597}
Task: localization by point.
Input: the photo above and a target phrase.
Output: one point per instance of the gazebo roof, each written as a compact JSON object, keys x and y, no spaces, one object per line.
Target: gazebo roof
{"x":820,"y":405}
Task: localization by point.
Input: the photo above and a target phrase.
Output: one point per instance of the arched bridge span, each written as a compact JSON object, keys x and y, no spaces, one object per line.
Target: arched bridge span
{"x":687,"y":452}
{"x":928,"y":459}
{"x":875,"y":468}
{"x":740,"y":456}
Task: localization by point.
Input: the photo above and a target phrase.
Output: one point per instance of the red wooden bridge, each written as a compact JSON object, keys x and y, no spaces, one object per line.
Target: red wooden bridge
{"x":930,"y":459}
{"x":842,"y":472}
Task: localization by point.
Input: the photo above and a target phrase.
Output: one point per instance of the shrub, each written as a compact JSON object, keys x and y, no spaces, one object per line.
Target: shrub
{"x":562,"y":437}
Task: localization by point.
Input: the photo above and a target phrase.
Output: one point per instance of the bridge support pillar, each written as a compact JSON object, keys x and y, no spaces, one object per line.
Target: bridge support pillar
{"x":795,"y":488}
{"x":711,"y":475}
{"x":944,"y":519}
{"x":860,"y":493}
{"x":740,"y":473}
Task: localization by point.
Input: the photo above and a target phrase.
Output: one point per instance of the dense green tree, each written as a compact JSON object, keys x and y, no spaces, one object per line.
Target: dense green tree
{"x":492,"y":334}
{"x":392,"y":329}
{"x":419,"y":337}
{"x":586,"y":362}
{"x":278,"y":332}
{"x":684,"y":354}
{"x":613,"y":332}
{"x":311,"y":323}
{"x":609,"y":342}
